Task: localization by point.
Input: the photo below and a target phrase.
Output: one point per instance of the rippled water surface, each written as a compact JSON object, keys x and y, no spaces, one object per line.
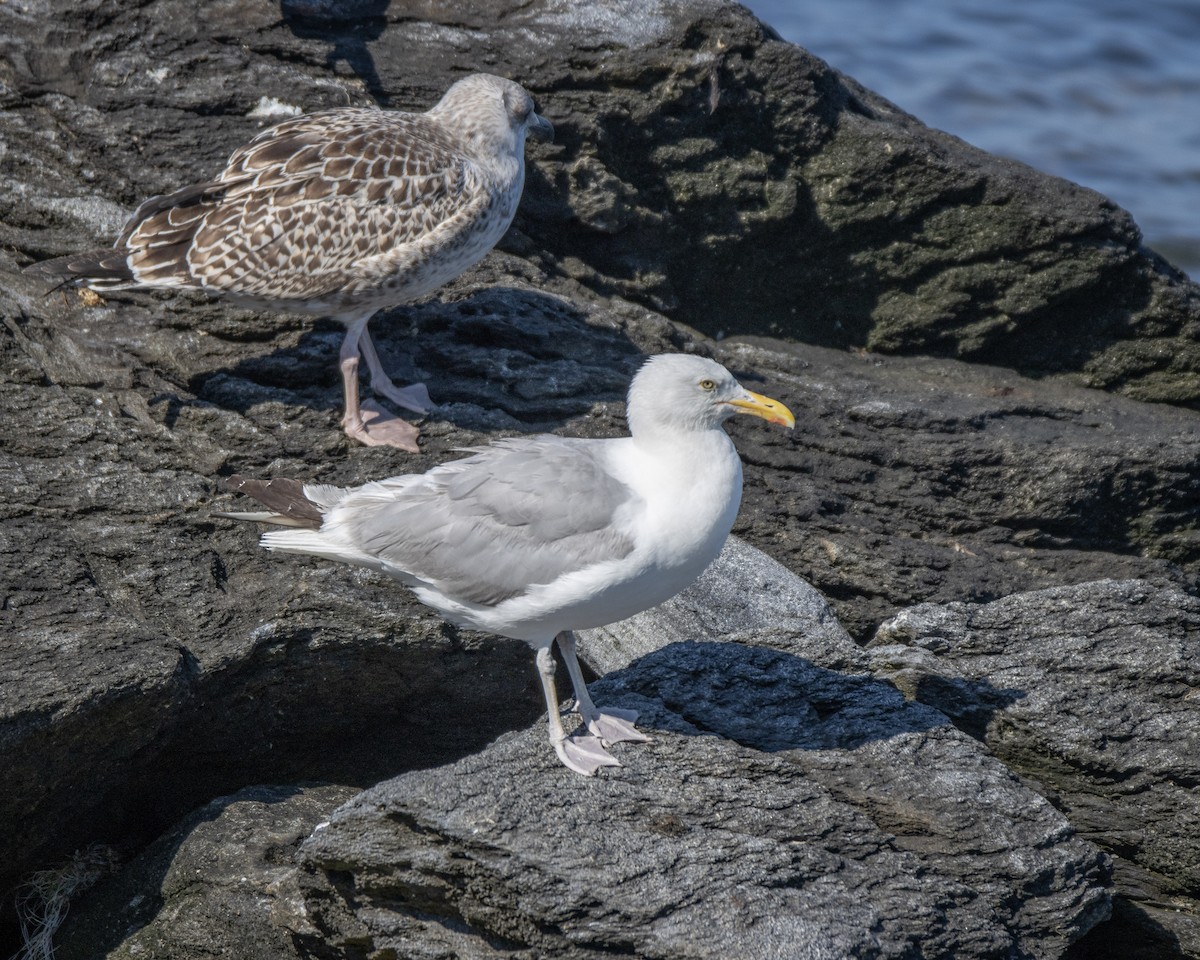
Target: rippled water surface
{"x":1102,"y":92}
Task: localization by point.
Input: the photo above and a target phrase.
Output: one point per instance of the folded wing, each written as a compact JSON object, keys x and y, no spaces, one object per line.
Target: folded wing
{"x":485,"y":529}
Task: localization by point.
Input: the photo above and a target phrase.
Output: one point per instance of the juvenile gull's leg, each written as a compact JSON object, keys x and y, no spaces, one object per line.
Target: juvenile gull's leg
{"x":585,"y":754}
{"x":413,"y":397}
{"x":611,"y":725}
{"x":368,"y":422}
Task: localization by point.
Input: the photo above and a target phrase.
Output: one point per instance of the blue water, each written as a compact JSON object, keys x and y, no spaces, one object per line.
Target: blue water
{"x":1102,"y":92}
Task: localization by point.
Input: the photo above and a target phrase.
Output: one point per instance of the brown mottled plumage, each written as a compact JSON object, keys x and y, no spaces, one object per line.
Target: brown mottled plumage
{"x":341,"y":212}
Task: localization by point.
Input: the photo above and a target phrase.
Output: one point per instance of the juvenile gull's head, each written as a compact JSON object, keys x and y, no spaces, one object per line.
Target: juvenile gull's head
{"x":493,"y":114}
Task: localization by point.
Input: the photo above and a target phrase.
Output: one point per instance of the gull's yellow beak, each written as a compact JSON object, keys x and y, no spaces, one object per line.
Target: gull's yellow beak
{"x":770,"y":410}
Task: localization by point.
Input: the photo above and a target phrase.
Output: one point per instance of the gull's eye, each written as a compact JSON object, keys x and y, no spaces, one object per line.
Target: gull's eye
{"x":708,"y":385}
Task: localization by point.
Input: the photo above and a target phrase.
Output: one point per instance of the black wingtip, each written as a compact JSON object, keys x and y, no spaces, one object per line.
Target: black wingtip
{"x":285,"y":497}
{"x":107,"y":267}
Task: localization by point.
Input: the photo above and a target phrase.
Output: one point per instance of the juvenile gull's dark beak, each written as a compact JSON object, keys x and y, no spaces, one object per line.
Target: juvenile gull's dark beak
{"x":540,"y":128}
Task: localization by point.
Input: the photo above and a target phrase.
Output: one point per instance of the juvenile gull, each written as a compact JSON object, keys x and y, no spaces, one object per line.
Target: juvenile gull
{"x":342,"y":213}
{"x":535,"y":537}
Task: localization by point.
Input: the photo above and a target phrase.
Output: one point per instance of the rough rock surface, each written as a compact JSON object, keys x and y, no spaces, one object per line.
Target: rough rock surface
{"x":154,"y":658}
{"x":919,"y":479}
{"x":1091,"y":692}
{"x":790,"y":805}
{"x":210,"y":886}
{"x":156,"y":647}
{"x":783,"y":810}
{"x":703,"y":167}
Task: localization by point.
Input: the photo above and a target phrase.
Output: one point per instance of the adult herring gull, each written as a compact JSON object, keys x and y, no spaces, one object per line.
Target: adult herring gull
{"x":339,"y":213}
{"x":534,"y":537}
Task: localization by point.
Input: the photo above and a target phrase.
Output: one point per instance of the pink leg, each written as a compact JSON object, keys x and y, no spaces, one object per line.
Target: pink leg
{"x":611,"y":725}
{"x":583,"y":754}
{"x":368,"y":422}
{"x":414,"y":397}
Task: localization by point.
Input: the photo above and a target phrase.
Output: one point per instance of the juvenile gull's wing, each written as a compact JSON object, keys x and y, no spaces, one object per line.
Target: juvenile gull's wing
{"x":485,"y":529}
{"x":317,"y":205}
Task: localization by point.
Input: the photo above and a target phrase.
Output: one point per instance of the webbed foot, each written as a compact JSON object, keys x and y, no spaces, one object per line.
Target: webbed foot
{"x":376,"y":426}
{"x":614,"y":725}
{"x":584,"y":754}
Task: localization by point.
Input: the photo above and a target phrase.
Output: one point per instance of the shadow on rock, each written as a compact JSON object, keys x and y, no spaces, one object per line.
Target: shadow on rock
{"x":1133,"y":933}
{"x":303,"y":705}
{"x":347,"y":25}
{"x":970,"y":704}
{"x":768,"y":700}
{"x":502,"y":358}
{"x":224,"y":861}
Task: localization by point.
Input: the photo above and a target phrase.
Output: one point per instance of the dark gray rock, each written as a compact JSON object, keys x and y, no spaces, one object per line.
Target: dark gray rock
{"x":153,"y":658}
{"x":790,"y":805}
{"x":157,"y":658}
{"x":916,"y":479}
{"x":783,"y":810}
{"x":703,"y":167}
{"x":1091,"y":693}
{"x":214,"y":885}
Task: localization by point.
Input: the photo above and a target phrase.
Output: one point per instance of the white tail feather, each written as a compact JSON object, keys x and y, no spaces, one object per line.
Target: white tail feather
{"x":324,"y":495}
{"x":315,"y":543}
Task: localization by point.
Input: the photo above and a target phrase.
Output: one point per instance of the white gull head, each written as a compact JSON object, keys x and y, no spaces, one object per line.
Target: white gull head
{"x":676,"y":393}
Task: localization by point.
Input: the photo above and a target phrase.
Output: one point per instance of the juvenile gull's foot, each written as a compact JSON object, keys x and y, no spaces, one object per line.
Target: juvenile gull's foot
{"x":584,"y":754}
{"x":414,"y":397}
{"x":376,"y":426}
{"x":616,"y":726}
